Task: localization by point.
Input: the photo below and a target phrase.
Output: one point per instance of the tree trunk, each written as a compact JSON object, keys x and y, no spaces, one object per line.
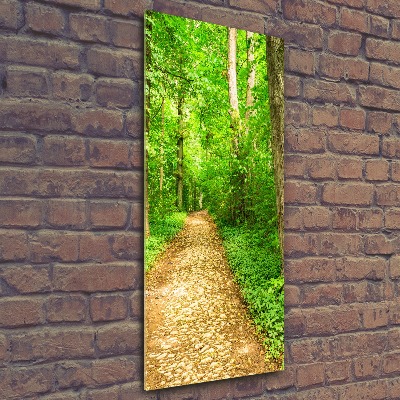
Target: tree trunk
{"x":162,"y":145}
{"x":251,"y":78}
{"x":179,"y":173}
{"x":275,"y":49}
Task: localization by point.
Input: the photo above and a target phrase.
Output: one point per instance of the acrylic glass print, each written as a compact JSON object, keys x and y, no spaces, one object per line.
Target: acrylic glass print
{"x":213,"y":202}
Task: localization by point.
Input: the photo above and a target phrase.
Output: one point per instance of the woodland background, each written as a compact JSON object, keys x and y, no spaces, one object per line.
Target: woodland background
{"x":71,"y":198}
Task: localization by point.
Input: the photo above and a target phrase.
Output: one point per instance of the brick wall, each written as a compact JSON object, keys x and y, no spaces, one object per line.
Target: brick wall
{"x":71,"y":279}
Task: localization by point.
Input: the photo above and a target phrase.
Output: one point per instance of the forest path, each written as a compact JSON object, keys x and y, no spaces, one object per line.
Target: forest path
{"x":196,"y":324}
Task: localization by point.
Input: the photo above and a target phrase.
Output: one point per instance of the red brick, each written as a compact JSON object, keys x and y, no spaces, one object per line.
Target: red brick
{"x":367,"y":367}
{"x":295,"y":166}
{"x":63,"y":151}
{"x":339,"y":67}
{"x":293,"y":218}
{"x":39,"y":52}
{"x":4,"y":346}
{"x":27,"y":279}
{"x":50,"y":246}
{"x":108,"y":308}
{"x":85,"y":4}
{"x":391,"y":363}
{"x":304,"y":35}
{"x":31,"y":82}
{"x":53,"y":344}
{"x":126,"y":246}
{"x":338,"y":371}
{"x":381,"y":244}
{"x":363,"y":291}
{"x":395,"y":29}
{"x":349,"y":168}
{"x":72,"y":87}
{"x":134,"y":122}
{"x":136,"y":154}
{"x":96,"y":277}
{"x":64,"y":213}
{"x":310,"y":270}
{"x":360,"y":194}
{"x":99,"y":122}
{"x":322,"y":168}
{"x":134,"y":390}
{"x":127,"y":34}
{"x":391,"y":149}
{"x":17,"y":148}
{"x":106,"y":153}
{"x":394,"y":269}
{"x":364,"y":343}
{"x":136,"y":305}
{"x":296,"y":113}
{"x":127,"y":7}
{"x":376,"y":170}
{"x":329,"y":92}
{"x":19,"y":213}
{"x":370,"y":219}
{"x":344,"y":219}
{"x":379,"y":26}
{"x":385,"y":75}
{"x":375,"y":316}
{"x":117,"y":63}
{"x":327,"y":115}
{"x":310,"y":11}
{"x":90,"y":28}
{"x":19,"y":311}
{"x":45,"y":19}
{"x":321,"y":295}
{"x":387,"y":195}
{"x":350,"y":3}
{"x":315,"y":218}
{"x":392,"y":218}
{"x":309,"y":375}
{"x":300,"y":61}
{"x":291,"y":86}
{"x":294,"y":324}
{"x":120,"y":93}
{"x":292,"y":296}
{"x":300,"y":244}
{"x":352,"y":118}
{"x":344,"y":43}
{"x":388,"y":8}
{"x":13,"y":245}
{"x":354,"y":20}
{"x":300,"y":192}
{"x":258,"y":6}
{"x":304,"y":140}
{"x":119,"y":338}
{"x":379,"y":122}
{"x":11,"y":15}
{"x":382,"y":98}
{"x":108,"y":214}
{"x":373,"y":390}
{"x":70,"y":308}
{"x":393,"y":338}
{"x":312,"y":350}
{"x":353,"y":143}
{"x":137,"y":216}
{"x":384,"y":50}
{"x":340,"y":244}
{"x":350,"y":268}
{"x":103,"y":394}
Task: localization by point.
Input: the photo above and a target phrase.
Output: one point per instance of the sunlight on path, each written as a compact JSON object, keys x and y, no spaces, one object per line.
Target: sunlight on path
{"x":196,"y":325}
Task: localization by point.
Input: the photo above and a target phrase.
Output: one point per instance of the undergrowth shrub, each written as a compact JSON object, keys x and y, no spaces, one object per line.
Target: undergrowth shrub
{"x":254,"y":257}
{"x":162,"y":231}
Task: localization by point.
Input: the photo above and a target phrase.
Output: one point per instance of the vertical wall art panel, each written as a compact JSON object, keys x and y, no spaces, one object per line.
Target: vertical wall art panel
{"x":213,"y":202}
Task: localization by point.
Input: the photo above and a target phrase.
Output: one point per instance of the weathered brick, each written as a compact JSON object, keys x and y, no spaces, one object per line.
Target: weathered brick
{"x":300,"y":61}
{"x":321,"y":295}
{"x":379,"y":26}
{"x":108,"y":214}
{"x":310,"y":11}
{"x":292,"y":296}
{"x":136,"y":305}
{"x":296,"y":113}
{"x":22,"y":81}
{"x":17,"y":148}
{"x":63,"y":151}
{"x":376,"y":170}
{"x":88,"y":27}
{"x":385,"y":75}
{"x":312,"y":350}
{"x":384,"y":50}
{"x":121,"y":93}
{"x":367,"y":367}
{"x":310,"y":270}
{"x":387,"y":195}
{"x":41,"y":18}
{"x":71,"y":87}
{"x":39,"y":52}
{"x":137,"y":216}
{"x":296,"y":245}
{"x":316,"y":217}
{"x":309,"y":375}
{"x":337,"y":371}
{"x":127,"y":7}
{"x":321,"y":168}
{"x":392,"y":218}
{"x":391,"y":149}
{"x":108,"y":308}
{"x":70,"y":308}
{"x":53,"y":344}
{"x":352,"y":118}
{"x":360,"y":194}
{"x":360,"y":343}
{"x":391,"y":363}
{"x":339,"y":244}
{"x":381,"y":244}
{"x":327,"y":115}
{"x":379,"y":122}
{"x":339,"y":67}
{"x":64,"y":213}
{"x":295,"y":166}
{"x":375,"y":316}
{"x":370,"y":219}
{"x":13,"y":245}
{"x":364,"y":291}
{"x":394,"y":267}
{"x":344,"y":219}
{"x":127,"y":34}
{"x":107,"y":153}
{"x":248,"y":386}
{"x":20,"y":311}
{"x":111,"y":393}
{"x":136,"y":154}
{"x":258,"y":6}
{"x":85,"y":4}
{"x":96,"y":277}
{"x":349,"y":168}
{"x":352,"y":268}
{"x":300,"y":192}
{"x":350,"y":3}
{"x":11,"y":16}
{"x":354,"y":19}
{"x":389,"y":8}
{"x":27,"y":279}
{"x":291,"y":86}
{"x":344,"y":43}
{"x":20,"y":213}
{"x":135,"y":122}
{"x":395,"y":29}
{"x":117,"y":63}
{"x":119,"y":338}
{"x":99,"y":122}
{"x":329,"y":92}
{"x":305,"y":140}
{"x":353,"y":143}
{"x":364,"y":390}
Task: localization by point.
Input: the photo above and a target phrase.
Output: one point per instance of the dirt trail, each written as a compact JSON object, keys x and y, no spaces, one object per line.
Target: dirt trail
{"x":196,"y":325}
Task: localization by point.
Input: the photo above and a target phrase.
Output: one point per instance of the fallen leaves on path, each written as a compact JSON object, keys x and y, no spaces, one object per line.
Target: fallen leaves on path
{"x":197,"y":327}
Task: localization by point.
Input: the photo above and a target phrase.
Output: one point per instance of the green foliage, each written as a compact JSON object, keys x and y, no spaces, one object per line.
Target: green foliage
{"x":255,"y":259}
{"x":163,"y":230}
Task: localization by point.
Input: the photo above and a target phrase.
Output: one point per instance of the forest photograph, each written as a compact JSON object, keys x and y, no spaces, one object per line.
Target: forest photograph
{"x":213,"y":201}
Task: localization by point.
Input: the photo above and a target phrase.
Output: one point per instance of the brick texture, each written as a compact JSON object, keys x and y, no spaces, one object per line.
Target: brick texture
{"x":71,"y":281}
